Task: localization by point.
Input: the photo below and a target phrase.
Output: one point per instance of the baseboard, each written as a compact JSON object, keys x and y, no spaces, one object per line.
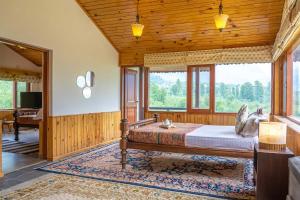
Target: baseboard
{"x":80,"y":150}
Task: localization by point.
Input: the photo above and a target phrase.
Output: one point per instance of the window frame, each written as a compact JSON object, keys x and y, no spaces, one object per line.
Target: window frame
{"x":15,"y":94}
{"x":147,"y":95}
{"x":271,"y":92}
{"x":189,"y":98}
{"x":189,"y":108}
{"x":289,"y":82}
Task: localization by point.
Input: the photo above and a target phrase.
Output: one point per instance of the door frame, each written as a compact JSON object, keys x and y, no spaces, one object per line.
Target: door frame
{"x":123,"y":90}
{"x":46,"y":81}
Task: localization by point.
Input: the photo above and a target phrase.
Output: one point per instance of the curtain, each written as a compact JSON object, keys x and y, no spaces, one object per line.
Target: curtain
{"x":290,"y":26}
{"x":14,"y":75}
{"x":257,"y":54}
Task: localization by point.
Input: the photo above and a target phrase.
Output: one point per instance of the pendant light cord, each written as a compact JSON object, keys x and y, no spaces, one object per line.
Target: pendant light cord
{"x":137,"y":12}
{"x":221,"y":8}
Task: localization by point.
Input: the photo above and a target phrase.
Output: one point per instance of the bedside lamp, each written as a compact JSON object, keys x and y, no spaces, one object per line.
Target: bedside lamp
{"x":272,"y":136}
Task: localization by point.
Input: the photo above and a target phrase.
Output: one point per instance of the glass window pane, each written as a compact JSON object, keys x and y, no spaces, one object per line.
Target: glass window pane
{"x":200,"y":87}
{"x":167,"y":90}
{"x":239,"y":84}
{"x":21,"y":87}
{"x":6,"y":94}
{"x":296,"y":82}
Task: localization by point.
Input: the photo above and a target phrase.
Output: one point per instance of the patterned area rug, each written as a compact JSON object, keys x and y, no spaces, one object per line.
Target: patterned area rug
{"x":19,"y":147}
{"x":194,"y":174}
{"x":63,"y":187}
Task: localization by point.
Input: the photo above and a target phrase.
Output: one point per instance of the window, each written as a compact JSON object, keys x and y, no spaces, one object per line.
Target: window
{"x":200,"y":87}
{"x":296,"y":83}
{"x":10,"y":97}
{"x":21,"y":87}
{"x":6,"y":94}
{"x":239,"y":84}
{"x":167,"y":90}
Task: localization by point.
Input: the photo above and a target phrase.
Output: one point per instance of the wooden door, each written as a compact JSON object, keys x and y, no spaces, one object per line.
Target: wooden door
{"x":131,"y":102}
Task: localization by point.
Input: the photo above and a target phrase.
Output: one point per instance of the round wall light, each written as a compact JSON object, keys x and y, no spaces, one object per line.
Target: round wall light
{"x":87,"y":92}
{"x":80,"y":81}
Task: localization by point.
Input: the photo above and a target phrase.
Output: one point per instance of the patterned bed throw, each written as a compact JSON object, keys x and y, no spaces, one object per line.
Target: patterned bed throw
{"x":153,"y":134}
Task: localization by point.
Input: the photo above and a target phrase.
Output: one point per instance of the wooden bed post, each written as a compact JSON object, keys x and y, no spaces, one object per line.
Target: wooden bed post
{"x":156,"y":117}
{"x":123,"y":143}
{"x":16,"y":126}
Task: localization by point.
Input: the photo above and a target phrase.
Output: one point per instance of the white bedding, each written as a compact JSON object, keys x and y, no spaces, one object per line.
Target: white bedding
{"x":222,"y":137}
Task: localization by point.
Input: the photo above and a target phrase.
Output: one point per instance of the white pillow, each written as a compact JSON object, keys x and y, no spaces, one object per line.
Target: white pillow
{"x":251,"y":127}
{"x":241,"y":118}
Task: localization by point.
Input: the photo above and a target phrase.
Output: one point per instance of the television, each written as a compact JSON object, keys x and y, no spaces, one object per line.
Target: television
{"x":31,"y":100}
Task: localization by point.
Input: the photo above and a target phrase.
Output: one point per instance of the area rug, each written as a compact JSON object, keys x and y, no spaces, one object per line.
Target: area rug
{"x":194,"y":174}
{"x":19,"y":147}
{"x":64,"y":187}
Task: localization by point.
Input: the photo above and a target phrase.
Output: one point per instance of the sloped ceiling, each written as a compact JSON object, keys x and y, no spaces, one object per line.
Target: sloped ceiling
{"x":36,"y":57}
{"x":183,"y":25}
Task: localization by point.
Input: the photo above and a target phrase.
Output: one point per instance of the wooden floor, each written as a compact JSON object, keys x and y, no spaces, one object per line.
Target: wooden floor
{"x":21,"y":176}
{"x":15,"y":161}
{"x":12,"y":157}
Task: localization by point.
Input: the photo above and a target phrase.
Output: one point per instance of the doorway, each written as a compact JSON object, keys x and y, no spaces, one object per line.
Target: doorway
{"x":24,"y":75}
{"x":132,"y":93}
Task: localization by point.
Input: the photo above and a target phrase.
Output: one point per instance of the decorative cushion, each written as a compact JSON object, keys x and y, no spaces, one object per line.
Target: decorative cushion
{"x":241,"y":118}
{"x":251,"y":127}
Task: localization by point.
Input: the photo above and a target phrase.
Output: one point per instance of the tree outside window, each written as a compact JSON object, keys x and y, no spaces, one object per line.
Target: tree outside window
{"x":167,"y":90}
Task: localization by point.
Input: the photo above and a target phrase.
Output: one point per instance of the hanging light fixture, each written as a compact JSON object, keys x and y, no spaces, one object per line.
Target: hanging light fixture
{"x":137,"y":27}
{"x":221,"y":19}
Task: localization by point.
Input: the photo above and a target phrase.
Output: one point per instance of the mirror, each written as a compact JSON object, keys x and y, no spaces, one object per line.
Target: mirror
{"x":89,"y":77}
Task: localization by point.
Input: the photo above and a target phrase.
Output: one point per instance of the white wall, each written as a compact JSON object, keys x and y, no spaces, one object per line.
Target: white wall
{"x":36,"y":87}
{"x":78,"y":46}
{"x":11,"y":60}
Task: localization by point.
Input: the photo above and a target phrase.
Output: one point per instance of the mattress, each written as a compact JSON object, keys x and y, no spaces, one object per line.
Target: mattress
{"x":219,"y":137}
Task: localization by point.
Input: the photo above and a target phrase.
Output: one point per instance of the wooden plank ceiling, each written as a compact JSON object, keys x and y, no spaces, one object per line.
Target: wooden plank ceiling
{"x":183,"y":25}
{"x":35,"y":56}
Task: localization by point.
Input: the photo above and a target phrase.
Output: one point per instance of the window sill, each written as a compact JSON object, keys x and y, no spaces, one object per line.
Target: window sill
{"x":294,"y":119}
{"x":7,"y":110}
{"x":169,"y":111}
{"x":291,"y":124}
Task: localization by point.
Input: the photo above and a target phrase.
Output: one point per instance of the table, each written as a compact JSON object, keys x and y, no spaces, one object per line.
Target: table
{"x":271,"y":173}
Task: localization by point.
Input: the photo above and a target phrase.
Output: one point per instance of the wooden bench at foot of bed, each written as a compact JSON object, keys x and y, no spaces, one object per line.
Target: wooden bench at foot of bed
{"x":126,"y":144}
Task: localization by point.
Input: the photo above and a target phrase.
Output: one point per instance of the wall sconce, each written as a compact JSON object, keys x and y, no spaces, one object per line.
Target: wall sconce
{"x":80,"y":81}
{"x":86,"y":82}
{"x":272,"y":136}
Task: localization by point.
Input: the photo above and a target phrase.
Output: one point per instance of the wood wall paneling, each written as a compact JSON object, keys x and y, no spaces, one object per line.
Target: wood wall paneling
{"x":293,"y":134}
{"x":6,"y":114}
{"x":211,"y":119}
{"x":73,"y":133}
{"x":293,"y":141}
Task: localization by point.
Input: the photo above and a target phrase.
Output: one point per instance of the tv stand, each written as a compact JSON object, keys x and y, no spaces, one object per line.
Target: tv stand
{"x":25,"y":118}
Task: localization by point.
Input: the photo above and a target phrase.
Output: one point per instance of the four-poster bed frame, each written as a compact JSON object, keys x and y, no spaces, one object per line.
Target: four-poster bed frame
{"x":126,"y":144}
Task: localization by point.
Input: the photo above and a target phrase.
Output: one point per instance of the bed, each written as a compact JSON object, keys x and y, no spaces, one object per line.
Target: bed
{"x":185,"y":138}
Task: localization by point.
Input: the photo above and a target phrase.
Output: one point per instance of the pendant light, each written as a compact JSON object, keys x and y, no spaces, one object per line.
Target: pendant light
{"x":137,"y":27}
{"x":221,"y":19}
